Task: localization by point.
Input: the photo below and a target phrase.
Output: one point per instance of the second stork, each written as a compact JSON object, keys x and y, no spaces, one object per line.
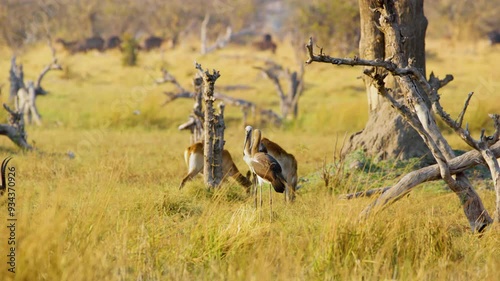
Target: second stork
{"x":263,"y":166}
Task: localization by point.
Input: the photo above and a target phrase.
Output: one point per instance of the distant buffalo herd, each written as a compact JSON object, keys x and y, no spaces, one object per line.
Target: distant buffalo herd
{"x":147,"y":44}
{"x":154,"y":42}
{"x":113,"y":42}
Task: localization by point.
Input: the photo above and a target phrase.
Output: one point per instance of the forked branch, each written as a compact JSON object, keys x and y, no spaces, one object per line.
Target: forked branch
{"x":294,"y":80}
{"x":53,"y":65}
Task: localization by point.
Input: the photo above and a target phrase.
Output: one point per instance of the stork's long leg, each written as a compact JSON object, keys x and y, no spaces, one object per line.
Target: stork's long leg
{"x":254,"y":189}
{"x":271,"y":203}
{"x":260,"y":196}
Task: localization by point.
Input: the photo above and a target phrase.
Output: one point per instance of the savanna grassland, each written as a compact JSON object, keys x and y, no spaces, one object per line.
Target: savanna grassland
{"x":114,"y":212}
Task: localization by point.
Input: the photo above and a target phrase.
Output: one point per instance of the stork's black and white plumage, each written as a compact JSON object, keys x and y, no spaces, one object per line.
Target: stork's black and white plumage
{"x":263,"y":166}
{"x":287,"y":162}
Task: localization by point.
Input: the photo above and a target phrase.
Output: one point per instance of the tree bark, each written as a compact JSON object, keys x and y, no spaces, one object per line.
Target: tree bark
{"x":198,"y":110}
{"x":386,"y":135}
{"x":219,"y":127}
{"x":212,"y":144}
{"x":26,"y":103}
{"x":371,"y":46}
{"x":16,"y":78}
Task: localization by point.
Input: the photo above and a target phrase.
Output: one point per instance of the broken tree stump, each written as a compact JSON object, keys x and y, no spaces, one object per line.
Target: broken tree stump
{"x":213,"y":139}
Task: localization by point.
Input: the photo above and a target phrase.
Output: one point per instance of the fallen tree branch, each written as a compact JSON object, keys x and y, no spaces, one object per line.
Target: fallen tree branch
{"x":366,"y":193}
{"x":245,"y":105}
{"x":173,"y":96}
{"x":169,"y":78}
{"x":457,"y":165}
{"x":406,"y":183}
{"x":14,"y":130}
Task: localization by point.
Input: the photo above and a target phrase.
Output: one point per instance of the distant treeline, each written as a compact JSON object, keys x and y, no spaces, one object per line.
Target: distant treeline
{"x":332,"y":23}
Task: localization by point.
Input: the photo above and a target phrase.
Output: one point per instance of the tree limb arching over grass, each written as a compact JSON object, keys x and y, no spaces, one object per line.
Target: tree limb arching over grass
{"x":420,"y":100}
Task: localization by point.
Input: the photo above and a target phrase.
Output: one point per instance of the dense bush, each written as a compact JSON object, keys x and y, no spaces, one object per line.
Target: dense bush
{"x":129,"y":51}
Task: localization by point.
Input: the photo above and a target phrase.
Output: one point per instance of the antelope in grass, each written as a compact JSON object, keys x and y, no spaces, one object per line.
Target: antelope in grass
{"x":193,"y":155}
{"x":264,"y":167}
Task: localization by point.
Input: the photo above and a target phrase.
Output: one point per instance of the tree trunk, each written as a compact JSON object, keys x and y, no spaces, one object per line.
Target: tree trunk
{"x":212,"y":144}
{"x":386,"y":134}
{"x":219,"y":127}
{"x":198,"y":110}
{"x":16,"y":78}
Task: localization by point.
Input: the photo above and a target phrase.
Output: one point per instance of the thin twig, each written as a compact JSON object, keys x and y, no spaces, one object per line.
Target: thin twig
{"x":462,"y":113}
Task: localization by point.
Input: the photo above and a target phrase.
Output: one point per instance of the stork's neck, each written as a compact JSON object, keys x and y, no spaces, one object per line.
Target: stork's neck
{"x":256,"y":141}
{"x":248,"y":142}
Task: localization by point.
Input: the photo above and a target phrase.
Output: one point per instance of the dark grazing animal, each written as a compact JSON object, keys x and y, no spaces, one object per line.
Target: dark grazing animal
{"x":69,"y":46}
{"x":152,"y":42}
{"x":266,"y":44}
{"x":91,"y":43}
{"x":113,"y":42}
{"x":494,"y":37}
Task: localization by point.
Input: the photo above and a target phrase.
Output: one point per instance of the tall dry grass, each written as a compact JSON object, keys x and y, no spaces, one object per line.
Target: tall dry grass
{"x":114,"y":211}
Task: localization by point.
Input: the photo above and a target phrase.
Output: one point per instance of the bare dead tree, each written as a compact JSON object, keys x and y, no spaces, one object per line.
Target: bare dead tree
{"x":26,"y":93}
{"x":213,"y":143}
{"x":247,"y":107}
{"x":289,"y":98}
{"x":413,"y":107}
